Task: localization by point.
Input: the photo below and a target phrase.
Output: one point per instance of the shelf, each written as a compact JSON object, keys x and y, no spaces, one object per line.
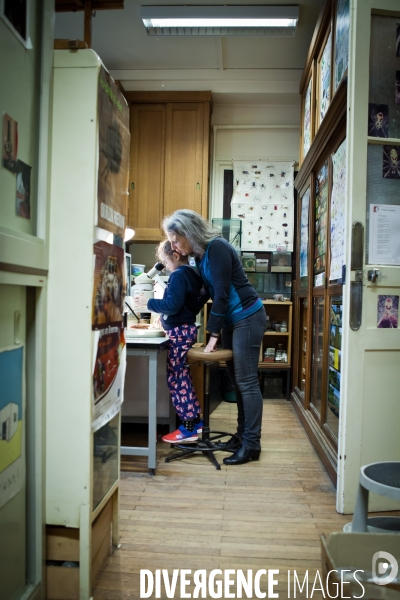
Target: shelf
{"x":381,"y":141}
{"x":276,"y":333}
{"x":277,"y":302}
{"x":273,"y":365}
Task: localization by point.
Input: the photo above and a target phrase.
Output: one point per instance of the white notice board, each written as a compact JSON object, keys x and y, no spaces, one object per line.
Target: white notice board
{"x":384,"y":234}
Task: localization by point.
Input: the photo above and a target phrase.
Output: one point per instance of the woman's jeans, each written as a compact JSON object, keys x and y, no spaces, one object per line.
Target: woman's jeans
{"x":244,"y":339}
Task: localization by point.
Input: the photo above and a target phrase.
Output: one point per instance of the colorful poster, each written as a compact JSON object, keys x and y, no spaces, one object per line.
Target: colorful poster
{"x":12,"y":417}
{"x":263,"y":200}
{"x":378,"y":120}
{"x":325,"y":79}
{"x":391,"y":162}
{"x":338,"y":204}
{"x":321,"y":206}
{"x":108,"y":374}
{"x":109,"y":288}
{"x":114,"y":145}
{"x":23,"y":191}
{"x":388,"y":312}
{"x":304,"y":217}
{"x":341,"y":40}
{"x":10,"y":143}
{"x":307,"y":119}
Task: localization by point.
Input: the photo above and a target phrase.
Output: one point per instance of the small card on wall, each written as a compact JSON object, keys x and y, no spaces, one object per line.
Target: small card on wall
{"x":10,"y":143}
{"x":388,"y":312}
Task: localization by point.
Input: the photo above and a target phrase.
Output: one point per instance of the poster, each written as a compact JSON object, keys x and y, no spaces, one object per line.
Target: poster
{"x":378,"y":120}
{"x":23,"y":190}
{"x":114,"y":146}
{"x":321,"y":206}
{"x":109,"y":288}
{"x":338,"y":203}
{"x":341,"y":40}
{"x":388,"y":312}
{"x":391,"y":162}
{"x":9,"y":148}
{"x":384,"y":234}
{"x":307,"y":119}
{"x":325,"y":79}
{"x":263,"y":200}
{"x":304,"y":219}
{"x":12,"y":430}
{"x":108,"y":374}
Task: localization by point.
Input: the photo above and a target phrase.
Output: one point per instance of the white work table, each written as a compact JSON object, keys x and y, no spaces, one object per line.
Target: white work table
{"x":150,"y":347}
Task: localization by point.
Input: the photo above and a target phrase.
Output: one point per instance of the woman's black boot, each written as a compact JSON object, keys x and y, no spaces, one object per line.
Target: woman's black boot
{"x":242,"y":455}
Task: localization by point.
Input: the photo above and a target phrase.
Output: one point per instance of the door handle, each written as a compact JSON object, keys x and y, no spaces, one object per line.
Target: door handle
{"x":356,"y":287}
{"x":373,"y":275}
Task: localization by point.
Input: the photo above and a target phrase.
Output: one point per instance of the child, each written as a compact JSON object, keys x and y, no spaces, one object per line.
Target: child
{"x":179,"y":307}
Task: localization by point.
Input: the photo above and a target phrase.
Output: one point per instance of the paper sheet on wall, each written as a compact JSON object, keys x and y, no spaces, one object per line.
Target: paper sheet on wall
{"x":263,"y":200}
{"x":338,"y":203}
{"x":384,"y":234}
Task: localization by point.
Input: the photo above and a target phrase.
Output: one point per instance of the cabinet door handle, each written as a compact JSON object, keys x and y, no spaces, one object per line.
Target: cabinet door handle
{"x":132,"y":185}
{"x":197,"y":186}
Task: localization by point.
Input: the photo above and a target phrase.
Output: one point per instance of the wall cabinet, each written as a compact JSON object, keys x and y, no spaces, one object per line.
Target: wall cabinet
{"x":169,"y":170}
{"x":279,"y":313}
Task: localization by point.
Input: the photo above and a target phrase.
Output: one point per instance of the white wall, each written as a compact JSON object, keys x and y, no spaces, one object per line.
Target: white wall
{"x":256,"y":114}
{"x":250,"y":132}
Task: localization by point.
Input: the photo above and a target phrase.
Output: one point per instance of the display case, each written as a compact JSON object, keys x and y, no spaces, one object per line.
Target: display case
{"x":325,"y":70}
{"x":347,"y":244}
{"x":85,"y":354}
{"x":278,"y":335}
{"x":231,"y":230}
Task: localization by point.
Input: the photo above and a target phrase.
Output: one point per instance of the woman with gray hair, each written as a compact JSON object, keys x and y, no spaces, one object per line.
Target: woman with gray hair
{"x":237,"y":316}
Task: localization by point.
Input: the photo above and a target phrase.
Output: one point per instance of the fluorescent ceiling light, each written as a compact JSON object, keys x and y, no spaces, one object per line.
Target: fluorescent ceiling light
{"x":220,"y":20}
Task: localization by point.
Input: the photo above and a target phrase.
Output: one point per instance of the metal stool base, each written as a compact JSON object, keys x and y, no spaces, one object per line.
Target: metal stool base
{"x":209,"y":443}
{"x":378,"y":525}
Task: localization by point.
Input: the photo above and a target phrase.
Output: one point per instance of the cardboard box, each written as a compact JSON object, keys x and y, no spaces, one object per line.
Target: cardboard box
{"x":358,"y":550}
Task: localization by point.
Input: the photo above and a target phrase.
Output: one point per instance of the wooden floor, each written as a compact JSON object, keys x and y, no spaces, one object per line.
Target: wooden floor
{"x":262,"y":515}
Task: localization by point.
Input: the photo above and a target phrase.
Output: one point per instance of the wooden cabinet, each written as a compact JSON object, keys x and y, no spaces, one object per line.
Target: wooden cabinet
{"x":169,"y":157}
{"x":278,"y":313}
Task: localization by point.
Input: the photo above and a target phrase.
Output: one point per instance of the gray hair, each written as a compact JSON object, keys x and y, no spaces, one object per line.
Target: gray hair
{"x":197,"y":230}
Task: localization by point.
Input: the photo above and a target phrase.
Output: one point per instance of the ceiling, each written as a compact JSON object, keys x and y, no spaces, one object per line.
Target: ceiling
{"x":238,"y":70}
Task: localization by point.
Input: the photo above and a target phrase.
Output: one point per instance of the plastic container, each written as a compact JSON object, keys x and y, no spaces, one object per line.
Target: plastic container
{"x":137,"y":269}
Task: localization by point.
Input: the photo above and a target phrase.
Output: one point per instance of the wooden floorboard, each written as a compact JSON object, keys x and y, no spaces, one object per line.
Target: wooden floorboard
{"x":263,"y":515}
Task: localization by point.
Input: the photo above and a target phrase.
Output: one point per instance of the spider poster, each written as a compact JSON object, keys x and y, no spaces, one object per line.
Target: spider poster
{"x":378,"y":120}
{"x":113,"y":168}
{"x":388,"y":312}
{"x":263,"y":200}
{"x":391,"y":162}
{"x":109,"y":285}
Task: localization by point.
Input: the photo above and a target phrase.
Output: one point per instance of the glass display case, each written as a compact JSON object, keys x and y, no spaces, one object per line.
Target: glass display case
{"x":335,"y":346}
{"x":316,"y":395}
{"x":231,"y":230}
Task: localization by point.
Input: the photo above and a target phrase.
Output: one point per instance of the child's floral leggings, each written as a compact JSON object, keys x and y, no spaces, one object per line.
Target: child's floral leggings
{"x":179,"y":379}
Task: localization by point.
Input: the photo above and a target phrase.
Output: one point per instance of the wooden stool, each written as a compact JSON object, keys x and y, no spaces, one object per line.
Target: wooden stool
{"x":210,"y":440}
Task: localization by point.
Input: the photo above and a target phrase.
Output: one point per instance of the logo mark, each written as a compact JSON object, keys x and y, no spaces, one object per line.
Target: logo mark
{"x":380,"y":569}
